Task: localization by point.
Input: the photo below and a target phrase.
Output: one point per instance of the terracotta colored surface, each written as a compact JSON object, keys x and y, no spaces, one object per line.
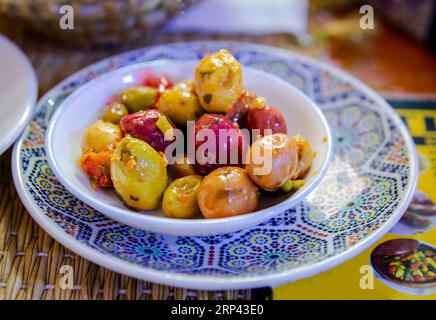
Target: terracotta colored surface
{"x":388,"y":61}
{"x":383,"y":57}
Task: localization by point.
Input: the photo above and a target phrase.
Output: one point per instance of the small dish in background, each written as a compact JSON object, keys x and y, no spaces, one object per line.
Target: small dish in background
{"x":406,"y":265}
{"x":19,"y":90}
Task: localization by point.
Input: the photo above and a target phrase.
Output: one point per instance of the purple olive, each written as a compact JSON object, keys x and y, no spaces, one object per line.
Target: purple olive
{"x":142,"y":125}
{"x":231,"y":140}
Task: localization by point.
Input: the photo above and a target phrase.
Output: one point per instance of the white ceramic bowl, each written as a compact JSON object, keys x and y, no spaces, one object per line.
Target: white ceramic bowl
{"x":83,"y":107}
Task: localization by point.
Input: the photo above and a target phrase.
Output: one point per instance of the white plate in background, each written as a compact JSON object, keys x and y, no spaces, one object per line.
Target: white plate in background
{"x":18,"y":92}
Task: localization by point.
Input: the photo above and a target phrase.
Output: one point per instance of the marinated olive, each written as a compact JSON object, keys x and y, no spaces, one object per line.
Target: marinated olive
{"x":139,"y":98}
{"x":226,"y":192}
{"x":262,"y":117}
{"x":185,"y":85}
{"x":238,"y":112}
{"x":143,"y":125}
{"x":102,"y":136}
{"x":114,"y":112}
{"x":272,"y":161}
{"x":181,"y":106}
{"x":226,"y":147}
{"x":138,"y":173}
{"x":180,"y":198}
{"x":182,"y":168}
{"x":158,"y":82}
{"x":218,"y":81}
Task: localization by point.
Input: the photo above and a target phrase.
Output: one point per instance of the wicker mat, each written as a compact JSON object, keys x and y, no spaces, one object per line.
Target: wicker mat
{"x":29,"y":258}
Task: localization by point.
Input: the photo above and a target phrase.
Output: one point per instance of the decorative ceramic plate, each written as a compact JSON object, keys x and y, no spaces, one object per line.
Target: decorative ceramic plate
{"x":368,"y":186}
{"x":19,"y":89}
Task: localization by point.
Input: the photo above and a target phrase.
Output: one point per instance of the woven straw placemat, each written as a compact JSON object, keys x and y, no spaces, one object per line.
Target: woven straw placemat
{"x":29,"y":258}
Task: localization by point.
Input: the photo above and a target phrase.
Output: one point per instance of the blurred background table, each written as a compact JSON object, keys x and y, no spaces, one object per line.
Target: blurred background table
{"x":384,"y":58}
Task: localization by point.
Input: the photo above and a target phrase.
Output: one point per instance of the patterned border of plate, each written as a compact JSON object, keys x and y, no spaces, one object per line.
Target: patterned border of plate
{"x":366,"y":189}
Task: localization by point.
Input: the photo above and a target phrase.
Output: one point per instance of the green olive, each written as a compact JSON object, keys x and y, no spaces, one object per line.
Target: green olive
{"x":114,"y":112}
{"x":101,"y":136}
{"x":139,"y":98}
{"x":180,"y":198}
{"x":139,"y":174}
{"x":180,"y":105}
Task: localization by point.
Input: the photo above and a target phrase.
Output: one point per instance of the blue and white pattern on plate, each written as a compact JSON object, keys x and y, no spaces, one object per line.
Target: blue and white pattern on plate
{"x":364,"y":192}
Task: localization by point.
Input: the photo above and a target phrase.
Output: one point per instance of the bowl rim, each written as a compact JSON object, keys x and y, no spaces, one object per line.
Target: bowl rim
{"x":210,"y":224}
{"x":215,"y":282}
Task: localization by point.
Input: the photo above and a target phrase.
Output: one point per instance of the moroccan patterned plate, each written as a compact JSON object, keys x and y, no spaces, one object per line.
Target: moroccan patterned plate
{"x":367,"y":188}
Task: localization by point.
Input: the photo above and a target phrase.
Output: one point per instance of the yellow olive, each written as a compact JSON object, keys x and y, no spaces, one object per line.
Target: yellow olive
{"x":181,"y":106}
{"x":114,"y":112}
{"x":226,"y":192}
{"x":102,"y":136}
{"x":180,"y":198}
{"x":218,"y":81}
{"x":138,"y":173}
{"x":139,"y":98}
{"x":182,"y":168}
{"x":185,"y":85}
